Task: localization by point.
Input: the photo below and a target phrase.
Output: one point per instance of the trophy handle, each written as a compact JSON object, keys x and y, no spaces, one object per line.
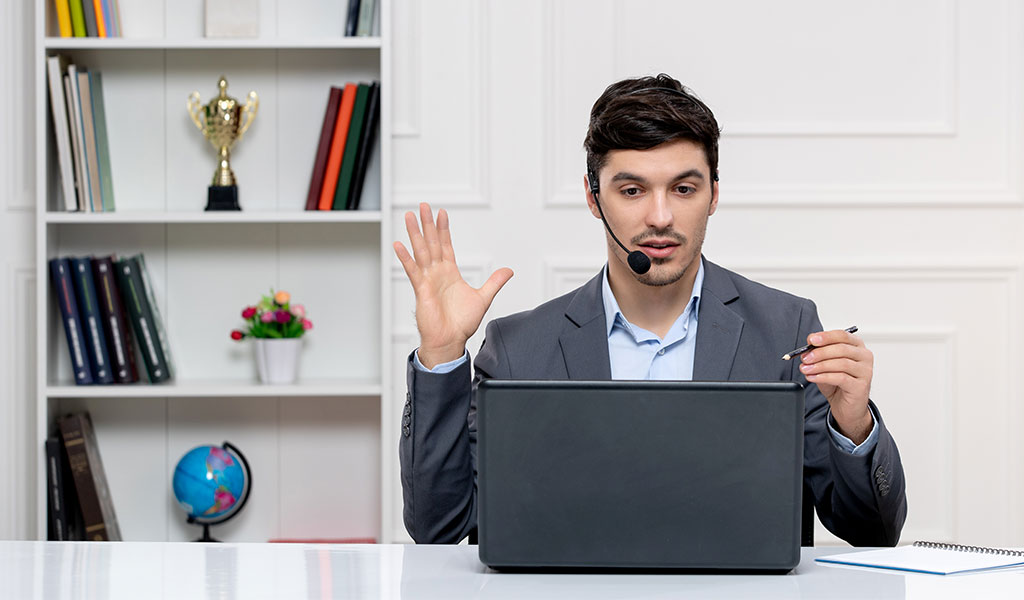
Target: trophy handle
{"x":252,"y":104}
{"x":195,"y":110}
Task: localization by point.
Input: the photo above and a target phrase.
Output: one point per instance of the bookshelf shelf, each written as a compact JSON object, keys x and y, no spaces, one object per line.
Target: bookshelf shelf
{"x":221,"y":389}
{"x":340,"y":43}
{"x":218,"y":217}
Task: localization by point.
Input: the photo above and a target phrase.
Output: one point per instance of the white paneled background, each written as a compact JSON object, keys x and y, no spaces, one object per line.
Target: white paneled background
{"x":870,"y":160}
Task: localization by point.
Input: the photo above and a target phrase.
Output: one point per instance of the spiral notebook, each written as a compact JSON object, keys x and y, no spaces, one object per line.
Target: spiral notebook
{"x":932,"y":557}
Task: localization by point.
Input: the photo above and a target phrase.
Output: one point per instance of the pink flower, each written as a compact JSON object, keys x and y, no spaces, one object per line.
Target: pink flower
{"x":307,"y":324}
{"x":267,"y":317}
{"x":299,"y":310}
{"x":237,"y":335}
{"x":249,"y":312}
{"x":282,"y":316}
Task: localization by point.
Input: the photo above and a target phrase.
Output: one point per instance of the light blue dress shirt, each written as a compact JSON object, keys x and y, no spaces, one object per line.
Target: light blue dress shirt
{"x":638,"y":354}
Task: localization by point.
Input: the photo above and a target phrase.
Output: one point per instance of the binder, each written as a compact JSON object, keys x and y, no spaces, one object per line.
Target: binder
{"x":932,"y":557}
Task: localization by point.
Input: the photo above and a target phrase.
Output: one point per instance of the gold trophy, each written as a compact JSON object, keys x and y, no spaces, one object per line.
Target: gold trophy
{"x":223,"y":121}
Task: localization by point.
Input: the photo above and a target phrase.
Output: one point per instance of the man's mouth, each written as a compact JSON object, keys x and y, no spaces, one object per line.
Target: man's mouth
{"x":659,"y":248}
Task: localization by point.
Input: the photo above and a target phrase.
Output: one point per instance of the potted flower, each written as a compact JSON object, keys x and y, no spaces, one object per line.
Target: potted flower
{"x":276,"y":326}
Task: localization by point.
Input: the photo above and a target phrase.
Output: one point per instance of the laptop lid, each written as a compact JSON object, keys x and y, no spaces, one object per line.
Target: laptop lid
{"x":640,"y":474}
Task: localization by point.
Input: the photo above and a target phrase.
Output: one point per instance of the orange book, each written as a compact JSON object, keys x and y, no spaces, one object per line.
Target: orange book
{"x":348,"y":102}
{"x":100,"y":25}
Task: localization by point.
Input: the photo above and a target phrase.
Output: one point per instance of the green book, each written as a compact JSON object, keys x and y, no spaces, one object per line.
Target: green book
{"x":348,"y":159}
{"x":77,"y":18}
{"x":99,"y":117}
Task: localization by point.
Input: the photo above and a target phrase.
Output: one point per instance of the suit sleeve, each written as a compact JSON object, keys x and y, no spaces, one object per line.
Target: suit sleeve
{"x":861,"y":499}
{"x":437,"y":447}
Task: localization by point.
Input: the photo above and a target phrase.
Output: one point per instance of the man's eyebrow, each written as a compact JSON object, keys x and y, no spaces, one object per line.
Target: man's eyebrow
{"x":626,"y":176}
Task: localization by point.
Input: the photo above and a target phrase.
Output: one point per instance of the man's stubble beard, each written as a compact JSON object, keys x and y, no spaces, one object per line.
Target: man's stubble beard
{"x":656,"y":277}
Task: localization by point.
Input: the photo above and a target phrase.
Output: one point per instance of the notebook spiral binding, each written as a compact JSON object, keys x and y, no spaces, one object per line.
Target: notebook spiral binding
{"x":960,"y":548}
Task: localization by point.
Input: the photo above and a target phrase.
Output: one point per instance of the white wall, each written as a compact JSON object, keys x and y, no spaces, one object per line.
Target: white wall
{"x":870,"y":161}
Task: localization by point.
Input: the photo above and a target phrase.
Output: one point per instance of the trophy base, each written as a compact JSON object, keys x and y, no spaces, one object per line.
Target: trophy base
{"x":222,"y":197}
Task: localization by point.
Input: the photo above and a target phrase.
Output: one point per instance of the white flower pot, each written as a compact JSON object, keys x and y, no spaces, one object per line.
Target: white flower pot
{"x":278,"y":359}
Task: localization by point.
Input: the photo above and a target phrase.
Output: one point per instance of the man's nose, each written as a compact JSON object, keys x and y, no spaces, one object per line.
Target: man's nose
{"x":659,"y":215}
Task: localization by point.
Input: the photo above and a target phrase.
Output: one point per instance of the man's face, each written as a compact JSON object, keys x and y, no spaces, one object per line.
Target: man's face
{"x":658,"y":201}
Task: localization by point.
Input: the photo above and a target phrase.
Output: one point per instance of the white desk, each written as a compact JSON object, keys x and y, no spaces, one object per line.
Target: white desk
{"x":50,"y":570}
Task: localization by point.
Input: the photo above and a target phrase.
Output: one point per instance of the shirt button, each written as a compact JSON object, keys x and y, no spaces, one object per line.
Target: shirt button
{"x":662,"y":351}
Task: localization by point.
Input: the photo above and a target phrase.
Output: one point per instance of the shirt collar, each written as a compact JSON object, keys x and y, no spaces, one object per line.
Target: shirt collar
{"x":611,"y":306}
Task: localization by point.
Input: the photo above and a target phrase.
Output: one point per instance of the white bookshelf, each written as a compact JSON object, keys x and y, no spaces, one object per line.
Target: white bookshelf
{"x":319,"y":458}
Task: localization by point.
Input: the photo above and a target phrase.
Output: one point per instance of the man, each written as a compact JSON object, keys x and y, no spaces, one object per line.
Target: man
{"x":652,"y":161}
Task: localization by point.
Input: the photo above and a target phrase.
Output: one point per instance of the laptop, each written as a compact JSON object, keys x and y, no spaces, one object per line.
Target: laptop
{"x":651,"y":475}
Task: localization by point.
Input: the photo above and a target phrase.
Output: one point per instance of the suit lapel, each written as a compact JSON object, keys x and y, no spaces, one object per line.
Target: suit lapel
{"x":718,"y":329}
{"x":584,"y":340}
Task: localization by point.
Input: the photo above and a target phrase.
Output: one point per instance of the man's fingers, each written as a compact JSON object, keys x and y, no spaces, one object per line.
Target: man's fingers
{"x":444,"y":235}
{"x":495,"y":282}
{"x":419,"y":247}
{"x":430,"y":232}
{"x":834,"y":336}
{"x":860,"y":353}
{"x":407,"y":262}
{"x":860,"y":370}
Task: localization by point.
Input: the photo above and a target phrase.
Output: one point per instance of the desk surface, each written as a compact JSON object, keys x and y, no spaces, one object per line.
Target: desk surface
{"x":47,"y":570}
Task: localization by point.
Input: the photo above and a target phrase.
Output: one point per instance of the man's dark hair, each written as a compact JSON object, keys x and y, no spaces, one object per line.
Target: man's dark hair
{"x":641,"y":113}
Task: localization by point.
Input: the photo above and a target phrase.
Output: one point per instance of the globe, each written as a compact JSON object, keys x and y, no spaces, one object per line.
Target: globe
{"x":211,"y":483}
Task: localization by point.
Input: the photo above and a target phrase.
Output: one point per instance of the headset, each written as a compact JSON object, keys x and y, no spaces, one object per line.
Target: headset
{"x":637,"y":260}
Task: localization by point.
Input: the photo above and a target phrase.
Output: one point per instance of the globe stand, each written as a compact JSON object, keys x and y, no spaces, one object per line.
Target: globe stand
{"x":206,"y":532}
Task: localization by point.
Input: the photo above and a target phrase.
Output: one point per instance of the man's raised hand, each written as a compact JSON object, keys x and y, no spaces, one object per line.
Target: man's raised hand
{"x":448,"y":310}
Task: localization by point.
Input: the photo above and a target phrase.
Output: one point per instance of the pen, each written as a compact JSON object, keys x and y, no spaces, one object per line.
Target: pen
{"x":809,"y":347}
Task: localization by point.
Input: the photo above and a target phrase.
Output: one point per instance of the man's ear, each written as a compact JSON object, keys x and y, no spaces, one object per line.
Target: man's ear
{"x":714,"y":198}
{"x":590,"y":198}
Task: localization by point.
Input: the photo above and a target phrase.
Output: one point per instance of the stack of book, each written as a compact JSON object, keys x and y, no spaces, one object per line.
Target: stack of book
{"x":88,"y":18}
{"x":79,"y":506}
{"x":80,"y":129}
{"x":346,"y":141}
{"x":361,"y":18}
{"x":102,"y":302}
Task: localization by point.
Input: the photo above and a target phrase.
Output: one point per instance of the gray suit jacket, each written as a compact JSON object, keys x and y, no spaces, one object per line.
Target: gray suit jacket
{"x":744,"y":328}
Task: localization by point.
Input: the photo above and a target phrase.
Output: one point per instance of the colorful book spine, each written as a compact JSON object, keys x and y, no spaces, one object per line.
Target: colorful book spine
{"x":133,"y":294}
{"x":348,"y":101}
{"x":63,"y":17}
{"x":101,"y":25}
{"x":90,"y":478}
{"x":92,"y":324}
{"x":348,"y":159}
{"x":55,"y":67}
{"x":115,"y":322}
{"x":89,"y":11}
{"x":316,"y":181}
{"x":99,"y":115}
{"x":77,"y":18}
{"x":92,"y":162}
{"x":366,"y":144}
{"x":352,"y":20}
{"x":60,"y":272}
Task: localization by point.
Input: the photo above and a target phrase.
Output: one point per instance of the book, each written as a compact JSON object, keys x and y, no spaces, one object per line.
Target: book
{"x":147,"y":285}
{"x":63,"y":17}
{"x":90,"y":479}
{"x":108,"y":18}
{"x":115,"y":322}
{"x":77,"y":18}
{"x":76,"y":152}
{"x":316,"y":181}
{"x":116,"y":18}
{"x":932,"y":557}
{"x":89,"y":145}
{"x":55,"y":67}
{"x":92,"y":326}
{"x":89,"y":11}
{"x":99,"y":115}
{"x":55,"y":520}
{"x":365,"y":26}
{"x":348,"y":100}
{"x":101,"y":26}
{"x":60,"y":272}
{"x":352,"y":20}
{"x":142,"y":318}
{"x":75,"y":110}
{"x":348,"y":159}
{"x":365,"y":145}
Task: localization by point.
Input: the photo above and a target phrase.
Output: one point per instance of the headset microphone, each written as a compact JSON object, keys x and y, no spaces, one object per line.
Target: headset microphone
{"x":638,"y":261}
